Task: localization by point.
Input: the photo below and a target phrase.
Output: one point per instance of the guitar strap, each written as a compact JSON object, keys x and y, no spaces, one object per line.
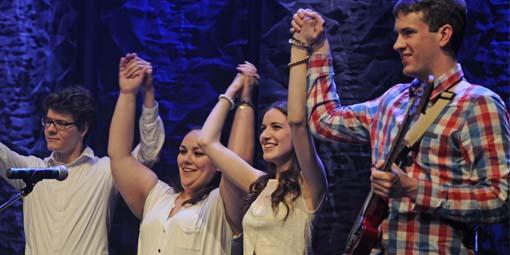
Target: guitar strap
{"x":424,"y":121}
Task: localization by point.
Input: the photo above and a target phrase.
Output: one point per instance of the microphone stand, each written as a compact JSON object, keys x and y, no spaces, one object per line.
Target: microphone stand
{"x":29,"y":186}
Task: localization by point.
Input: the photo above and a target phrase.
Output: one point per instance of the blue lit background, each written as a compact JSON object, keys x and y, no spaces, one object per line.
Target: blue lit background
{"x":194,"y":47}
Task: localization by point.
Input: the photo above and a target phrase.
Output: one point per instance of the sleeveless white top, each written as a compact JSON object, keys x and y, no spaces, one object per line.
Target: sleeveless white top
{"x":201,"y":228}
{"x":266,"y":233}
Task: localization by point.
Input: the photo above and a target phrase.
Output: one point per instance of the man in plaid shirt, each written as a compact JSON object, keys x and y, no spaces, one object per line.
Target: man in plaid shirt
{"x":459,"y":172}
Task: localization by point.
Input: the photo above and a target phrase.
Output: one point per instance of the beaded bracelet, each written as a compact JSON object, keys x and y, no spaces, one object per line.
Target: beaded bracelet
{"x":304,"y":60}
{"x":229,"y":100}
{"x":295,"y":42}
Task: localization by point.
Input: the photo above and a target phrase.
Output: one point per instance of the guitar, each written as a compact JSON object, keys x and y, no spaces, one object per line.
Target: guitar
{"x":365,"y":231}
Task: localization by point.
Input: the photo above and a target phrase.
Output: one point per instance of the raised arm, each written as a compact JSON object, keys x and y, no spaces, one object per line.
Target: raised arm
{"x":132,"y":178}
{"x":242,"y":142}
{"x":314,"y":183}
{"x":327,"y":118}
{"x":243,"y":125}
{"x":232,"y":166}
{"x":152,"y":132}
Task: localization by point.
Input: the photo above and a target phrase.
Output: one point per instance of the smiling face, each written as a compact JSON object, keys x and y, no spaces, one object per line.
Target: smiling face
{"x":195,"y":168}
{"x":276,"y":139}
{"x":417,"y":46}
{"x":66,"y":143}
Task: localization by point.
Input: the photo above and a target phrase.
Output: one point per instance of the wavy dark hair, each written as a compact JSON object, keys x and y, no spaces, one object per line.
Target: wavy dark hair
{"x":437,"y":13}
{"x":288,"y":182}
{"x":204,"y":191}
{"x":75,"y":100}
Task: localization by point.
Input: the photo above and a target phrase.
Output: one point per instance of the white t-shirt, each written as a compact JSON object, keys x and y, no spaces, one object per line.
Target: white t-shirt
{"x":266,"y":233}
{"x":201,"y":228}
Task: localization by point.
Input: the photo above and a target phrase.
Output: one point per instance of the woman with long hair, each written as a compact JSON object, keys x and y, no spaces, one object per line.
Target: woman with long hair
{"x":282,"y":201}
{"x":197,"y":216}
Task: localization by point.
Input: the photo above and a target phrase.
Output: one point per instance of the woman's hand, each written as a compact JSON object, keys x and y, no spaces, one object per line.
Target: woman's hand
{"x":244,"y":81}
{"x":308,"y":27}
{"x":250,"y":80}
{"x":134,"y":73}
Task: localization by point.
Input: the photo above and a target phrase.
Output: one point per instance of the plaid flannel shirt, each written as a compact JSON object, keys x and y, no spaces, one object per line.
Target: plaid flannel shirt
{"x":462,"y":162}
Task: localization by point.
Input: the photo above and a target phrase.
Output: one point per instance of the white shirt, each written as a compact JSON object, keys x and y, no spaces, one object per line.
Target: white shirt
{"x":266,"y":233}
{"x":201,"y":228}
{"x":73,"y":216}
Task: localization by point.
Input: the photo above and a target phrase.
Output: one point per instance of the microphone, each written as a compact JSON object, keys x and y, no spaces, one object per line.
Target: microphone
{"x":39,"y":173}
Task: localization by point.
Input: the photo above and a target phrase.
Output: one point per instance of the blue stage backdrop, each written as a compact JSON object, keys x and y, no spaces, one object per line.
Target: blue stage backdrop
{"x":194,"y":47}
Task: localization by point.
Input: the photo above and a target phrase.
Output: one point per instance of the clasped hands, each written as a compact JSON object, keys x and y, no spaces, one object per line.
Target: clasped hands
{"x":307,"y":26}
{"x":244,"y":82}
{"x":134,"y":72}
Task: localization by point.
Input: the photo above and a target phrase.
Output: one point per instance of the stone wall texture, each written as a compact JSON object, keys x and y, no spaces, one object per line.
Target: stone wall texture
{"x":194,"y":47}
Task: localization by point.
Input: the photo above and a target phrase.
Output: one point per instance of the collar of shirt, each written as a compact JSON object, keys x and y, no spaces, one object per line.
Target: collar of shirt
{"x":85,"y":156}
{"x":442,"y":83}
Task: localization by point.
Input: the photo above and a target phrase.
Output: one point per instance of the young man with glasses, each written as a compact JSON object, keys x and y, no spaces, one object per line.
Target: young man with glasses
{"x":72,"y":216}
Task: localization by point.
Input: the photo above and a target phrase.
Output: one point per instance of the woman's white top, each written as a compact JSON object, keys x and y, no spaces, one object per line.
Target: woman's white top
{"x":266,"y":233}
{"x":201,"y":228}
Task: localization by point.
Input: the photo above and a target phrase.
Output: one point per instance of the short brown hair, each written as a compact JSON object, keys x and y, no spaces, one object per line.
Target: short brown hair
{"x":437,"y":13}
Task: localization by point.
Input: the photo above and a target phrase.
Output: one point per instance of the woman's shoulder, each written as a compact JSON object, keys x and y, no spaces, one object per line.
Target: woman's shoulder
{"x":160,"y":192}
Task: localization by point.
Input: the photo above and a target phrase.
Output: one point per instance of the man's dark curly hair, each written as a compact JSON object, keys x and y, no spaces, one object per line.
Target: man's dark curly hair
{"x":75,"y":100}
{"x":437,"y":13}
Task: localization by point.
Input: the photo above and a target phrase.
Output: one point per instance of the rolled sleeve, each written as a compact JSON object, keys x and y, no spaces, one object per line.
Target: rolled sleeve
{"x":152,"y":136}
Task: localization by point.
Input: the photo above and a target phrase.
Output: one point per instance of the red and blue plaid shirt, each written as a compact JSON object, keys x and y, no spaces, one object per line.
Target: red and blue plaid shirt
{"x":462,"y":162}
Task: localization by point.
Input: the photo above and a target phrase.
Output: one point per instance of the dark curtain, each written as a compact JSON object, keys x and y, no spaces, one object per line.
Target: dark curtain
{"x":194,"y":47}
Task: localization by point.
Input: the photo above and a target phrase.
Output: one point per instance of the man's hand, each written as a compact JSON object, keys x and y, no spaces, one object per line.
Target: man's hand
{"x":394,"y":184}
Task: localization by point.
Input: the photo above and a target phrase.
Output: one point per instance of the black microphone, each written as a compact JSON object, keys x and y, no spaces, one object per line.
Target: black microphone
{"x":55,"y":172}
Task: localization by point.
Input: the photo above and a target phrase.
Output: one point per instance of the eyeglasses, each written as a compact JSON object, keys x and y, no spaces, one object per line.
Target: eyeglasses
{"x":59,"y":124}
